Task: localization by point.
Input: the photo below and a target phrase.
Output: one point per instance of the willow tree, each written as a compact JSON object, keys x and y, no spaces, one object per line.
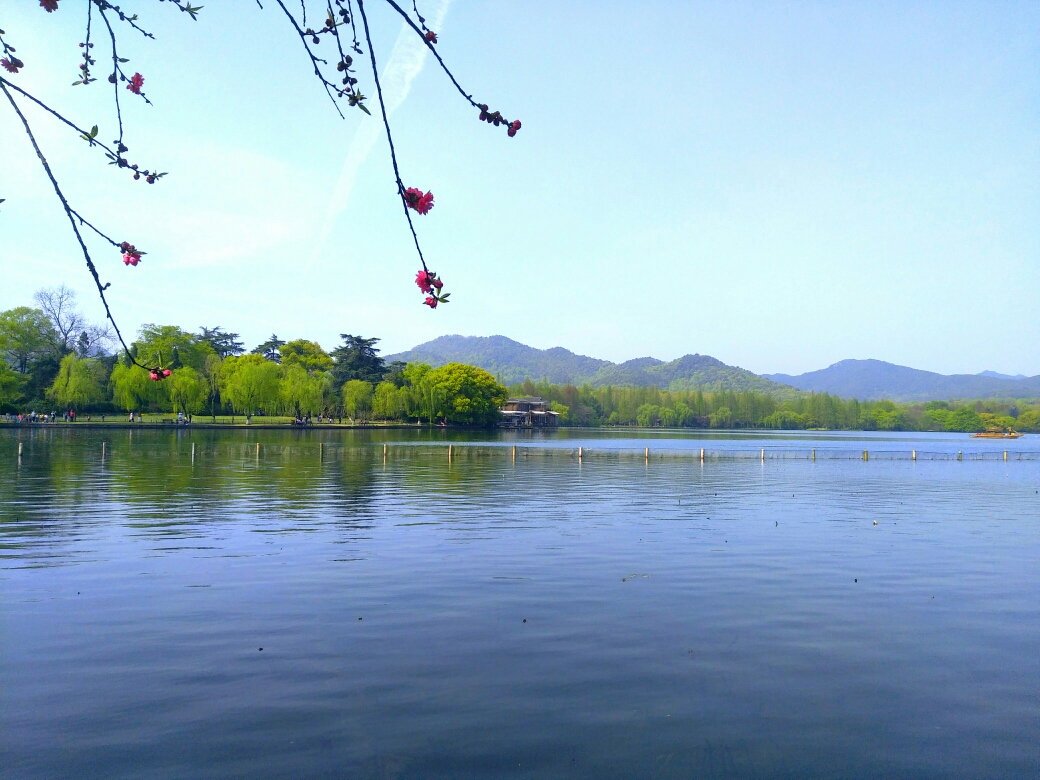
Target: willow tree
{"x":80,"y":382}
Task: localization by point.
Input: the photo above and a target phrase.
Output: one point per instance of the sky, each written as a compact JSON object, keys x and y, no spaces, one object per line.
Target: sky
{"x":779,"y":185}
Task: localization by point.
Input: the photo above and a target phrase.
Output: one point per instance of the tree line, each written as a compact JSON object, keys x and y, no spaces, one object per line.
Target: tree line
{"x":717,"y":407}
{"x":44,"y":363}
{"x":50,"y":356}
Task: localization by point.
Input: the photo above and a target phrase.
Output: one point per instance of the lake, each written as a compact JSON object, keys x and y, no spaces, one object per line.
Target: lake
{"x":188,"y":604}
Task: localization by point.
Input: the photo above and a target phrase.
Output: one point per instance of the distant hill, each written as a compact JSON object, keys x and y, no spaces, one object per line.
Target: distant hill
{"x":509,"y":360}
{"x":874,"y":379}
{"x":514,"y":362}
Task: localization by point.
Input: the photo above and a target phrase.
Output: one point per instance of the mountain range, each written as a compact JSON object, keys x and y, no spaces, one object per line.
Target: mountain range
{"x":874,"y":379}
{"x":513,"y":362}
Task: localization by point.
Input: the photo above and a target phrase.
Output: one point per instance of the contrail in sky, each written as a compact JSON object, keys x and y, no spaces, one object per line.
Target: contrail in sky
{"x":405,"y":63}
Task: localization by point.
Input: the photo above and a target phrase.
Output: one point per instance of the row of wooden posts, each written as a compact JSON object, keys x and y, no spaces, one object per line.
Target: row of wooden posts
{"x":581,"y":452}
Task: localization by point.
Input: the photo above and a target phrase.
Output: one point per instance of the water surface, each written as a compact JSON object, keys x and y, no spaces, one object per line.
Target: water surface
{"x":542,"y":617}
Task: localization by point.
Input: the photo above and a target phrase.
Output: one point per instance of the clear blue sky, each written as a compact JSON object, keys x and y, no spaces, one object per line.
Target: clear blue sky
{"x":780,"y":185}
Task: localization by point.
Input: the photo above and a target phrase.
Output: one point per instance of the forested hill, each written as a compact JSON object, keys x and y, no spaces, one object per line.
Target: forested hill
{"x":514,"y":362}
{"x":875,"y":379}
{"x":509,"y":360}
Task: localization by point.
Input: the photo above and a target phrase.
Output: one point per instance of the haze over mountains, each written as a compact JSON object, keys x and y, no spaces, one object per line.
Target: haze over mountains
{"x":513,"y":362}
{"x":874,"y":379}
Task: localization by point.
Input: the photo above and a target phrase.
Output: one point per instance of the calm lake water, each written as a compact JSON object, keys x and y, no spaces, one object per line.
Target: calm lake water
{"x":537,"y":618}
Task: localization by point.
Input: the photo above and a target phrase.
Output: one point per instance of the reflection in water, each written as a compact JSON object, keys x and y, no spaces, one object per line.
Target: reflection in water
{"x":485,"y":618}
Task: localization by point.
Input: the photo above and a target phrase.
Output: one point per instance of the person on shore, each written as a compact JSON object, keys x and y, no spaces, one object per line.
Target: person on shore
{"x":131,"y":416}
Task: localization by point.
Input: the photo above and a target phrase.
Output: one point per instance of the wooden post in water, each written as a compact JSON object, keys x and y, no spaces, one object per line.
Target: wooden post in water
{"x":384,"y":452}
{"x":702,"y":456}
{"x":913,"y":455}
{"x":19,"y":449}
{"x":1005,"y":456}
{"x":103,"y":451}
{"x":579,"y":454}
{"x":514,"y":453}
{"x":865,"y":455}
{"x":647,"y":454}
{"x":193,"y":453}
{"x":258,"y":452}
{"x":959,"y":455}
{"x":763,"y":454}
{"x":449,"y":453}
{"x":814,"y":455}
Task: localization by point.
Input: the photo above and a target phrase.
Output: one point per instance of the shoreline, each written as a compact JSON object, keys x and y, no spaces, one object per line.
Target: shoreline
{"x":224,"y":426}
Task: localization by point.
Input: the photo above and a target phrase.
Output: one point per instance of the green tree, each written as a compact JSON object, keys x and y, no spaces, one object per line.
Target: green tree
{"x":187,"y":389}
{"x":647,"y":415}
{"x":388,"y":401}
{"x":422,"y":398}
{"x":10,"y":386}
{"x":157,"y":344}
{"x":80,"y":382}
{"x":668,"y":417}
{"x":25,"y":336}
{"x":561,"y":409}
{"x":308,"y":354}
{"x":357,"y":358}
{"x":889,"y":419}
{"x":721,"y":417}
{"x":301,"y":391}
{"x":131,"y":387}
{"x":269,"y":349}
{"x":964,"y":419}
{"x":211,"y":373}
{"x":250,"y":383}
{"x":357,"y":398}
{"x":223,"y":343}
{"x":470,"y":395}
{"x":1028,"y":420}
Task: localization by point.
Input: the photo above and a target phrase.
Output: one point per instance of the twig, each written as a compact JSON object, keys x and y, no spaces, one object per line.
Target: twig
{"x":72,"y":221}
{"x":389,"y":138}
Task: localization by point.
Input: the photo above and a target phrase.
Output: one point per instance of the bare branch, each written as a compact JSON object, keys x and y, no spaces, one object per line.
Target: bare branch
{"x":68,"y":211}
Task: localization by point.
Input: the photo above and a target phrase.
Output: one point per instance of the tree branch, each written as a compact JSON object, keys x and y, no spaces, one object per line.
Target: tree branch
{"x":72,"y":221}
{"x":389,"y":138}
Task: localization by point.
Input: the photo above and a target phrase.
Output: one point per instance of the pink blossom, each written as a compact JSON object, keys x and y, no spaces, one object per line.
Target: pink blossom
{"x":425,"y":203}
{"x":431,"y":302}
{"x":415,"y":199}
{"x":425,"y":281}
{"x":136,"y":83}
